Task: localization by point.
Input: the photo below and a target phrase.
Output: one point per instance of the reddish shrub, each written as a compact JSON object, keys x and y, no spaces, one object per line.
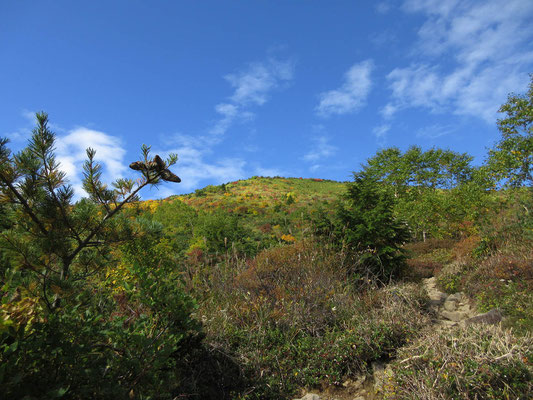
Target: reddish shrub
{"x":463,"y":249}
{"x":419,"y":248}
{"x":418,"y":269}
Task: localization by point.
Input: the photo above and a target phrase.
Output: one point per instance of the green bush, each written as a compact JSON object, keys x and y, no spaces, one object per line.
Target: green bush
{"x":367,"y":226}
{"x":77,"y":320}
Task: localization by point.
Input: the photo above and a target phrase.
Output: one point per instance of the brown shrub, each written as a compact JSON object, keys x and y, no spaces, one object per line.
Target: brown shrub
{"x":418,"y":269}
{"x":302,"y":284}
{"x":463,"y":249}
{"x":419,"y":248}
{"x":498,"y":268}
{"x":266,"y":228}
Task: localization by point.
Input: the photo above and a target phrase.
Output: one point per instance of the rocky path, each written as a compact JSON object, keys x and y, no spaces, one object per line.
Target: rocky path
{"x":456,"y":309}
{"x":449,"y":310}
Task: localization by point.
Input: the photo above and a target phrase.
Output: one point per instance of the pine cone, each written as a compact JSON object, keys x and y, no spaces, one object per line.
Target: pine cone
{"x":160,"y":164}
{"x":137,"y":165}
{"x":168,"y":176}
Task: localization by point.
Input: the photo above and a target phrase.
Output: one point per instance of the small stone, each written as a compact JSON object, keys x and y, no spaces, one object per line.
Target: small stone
{"x":311,"y":396}
{"x":455,"y":316}
{"x":464,"y":308}
{"x":354,"y":385}
{"x":449,"y":305}
{"x":446,"y":323}
{"x":492,"y":317}
{"x":437,"y":298}
{"x":455,"y":297}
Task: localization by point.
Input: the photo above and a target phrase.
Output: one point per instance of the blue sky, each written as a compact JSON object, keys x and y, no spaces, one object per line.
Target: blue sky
{"x":241,"y":88}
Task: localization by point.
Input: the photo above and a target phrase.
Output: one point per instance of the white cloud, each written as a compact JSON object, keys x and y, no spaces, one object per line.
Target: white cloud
{"x":71,"y":153}
{"x":24,"y":133}
{"x":198,"y":161}
{"x":195,"y":163}
{"x":417,"y":86}
{"x":380,"y":132}
{"x":321,"y":150}
{"x":351,"y":95}
{"x":435,"y":131}
{"x":486,"y":46}
{"x":28,"y":115}
{"x":227,"y":110}
{"x":230,"y":113}
{"x":193,"y":168}
{"x":433,"y":7}
{"x":252,"y":87}
{"x":224,"y":170}
{"x":253,"y":84}
{"x":389,"y":110}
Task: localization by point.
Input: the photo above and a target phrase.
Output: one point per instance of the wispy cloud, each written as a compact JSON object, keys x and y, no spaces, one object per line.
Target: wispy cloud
{"x":23,"y":133}
{"x":488,"y":46}
{"x":388,"y":110}
{"x":71,"y":153}
{"x":435,"y":131}
{"x":380,"y":132}
{"x":193,"y":166}
{"x":351,"y":95}
{"x":252,"y":87}
{"x":320,"y":151}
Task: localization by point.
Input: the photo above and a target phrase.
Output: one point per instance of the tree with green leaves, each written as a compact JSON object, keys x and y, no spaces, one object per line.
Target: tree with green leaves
{"x":421,"y":181}
{"x":70,"y":324}
{"x":511,"y":160}
{"x":434,"y":168}
{"x":367,"y":226}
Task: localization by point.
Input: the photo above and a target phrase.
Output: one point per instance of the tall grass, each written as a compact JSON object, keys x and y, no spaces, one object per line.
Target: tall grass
{"x":293,"y":317}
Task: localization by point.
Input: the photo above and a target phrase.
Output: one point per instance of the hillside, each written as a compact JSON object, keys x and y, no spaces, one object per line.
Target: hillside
{"x":414,"y":280}
{"x":259,"y":201}
{"x":256,"y":212}
{"x":273,"y":305}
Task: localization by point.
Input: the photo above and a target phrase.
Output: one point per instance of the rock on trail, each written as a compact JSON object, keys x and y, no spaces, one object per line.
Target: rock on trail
{"x":450,"y":311}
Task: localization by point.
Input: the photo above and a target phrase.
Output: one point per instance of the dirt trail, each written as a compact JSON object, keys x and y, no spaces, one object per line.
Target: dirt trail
{"x":448,"y":310}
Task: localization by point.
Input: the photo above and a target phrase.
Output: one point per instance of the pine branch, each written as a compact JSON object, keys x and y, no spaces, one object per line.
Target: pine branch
{"x":95,"y":230}
{"x":24,"y":203}
{"x":47,"y":176}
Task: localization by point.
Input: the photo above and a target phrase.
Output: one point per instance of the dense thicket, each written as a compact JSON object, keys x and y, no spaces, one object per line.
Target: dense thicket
{"x":90,"y":303}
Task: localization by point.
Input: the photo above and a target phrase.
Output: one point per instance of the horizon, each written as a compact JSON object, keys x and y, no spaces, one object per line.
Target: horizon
{"x":241,"y":89}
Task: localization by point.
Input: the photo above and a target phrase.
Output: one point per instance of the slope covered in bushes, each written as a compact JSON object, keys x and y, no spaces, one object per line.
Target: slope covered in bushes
{"x":262,"y":288}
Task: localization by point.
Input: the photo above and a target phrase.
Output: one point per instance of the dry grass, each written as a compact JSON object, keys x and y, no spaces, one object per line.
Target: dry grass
{"x":291,"y":317}
{"x":481,"y":362}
